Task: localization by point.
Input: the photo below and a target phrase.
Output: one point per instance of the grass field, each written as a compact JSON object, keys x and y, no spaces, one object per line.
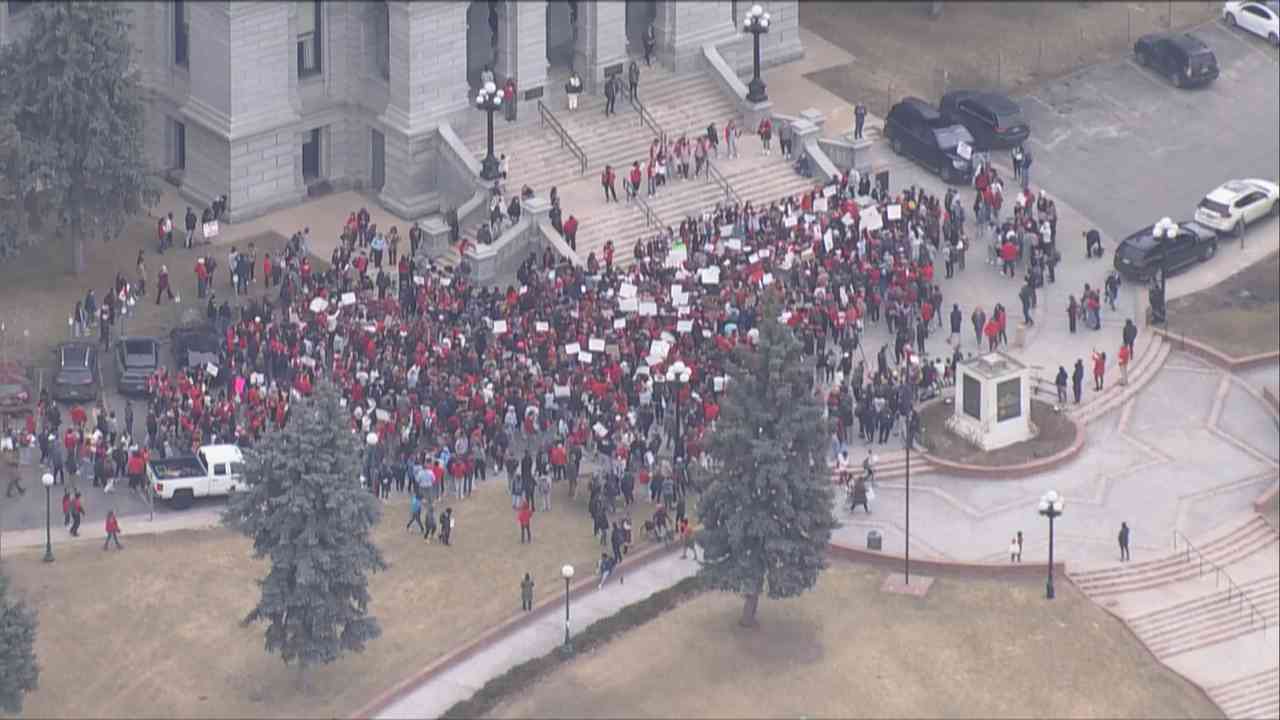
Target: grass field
{"x":153,"y":630}
{"x":971,"y":648}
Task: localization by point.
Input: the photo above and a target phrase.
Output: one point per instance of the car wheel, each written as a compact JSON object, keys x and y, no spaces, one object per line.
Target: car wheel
{"x":1231,"y":20}
{"x":1144,"y":60}
{"x":896,"y":144}
{"x":1209,"y":251}
{"x":1175,"y":79}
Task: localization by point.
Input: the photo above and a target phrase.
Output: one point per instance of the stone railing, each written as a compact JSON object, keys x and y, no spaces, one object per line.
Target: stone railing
{"x":496,"y":262}
{"x":729,"y":82}
{"x":461,"y":190}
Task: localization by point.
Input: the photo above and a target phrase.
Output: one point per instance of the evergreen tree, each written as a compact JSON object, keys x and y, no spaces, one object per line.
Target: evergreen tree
{"x":767,"y":513}
{"x":19,"y":673}
{"x":305,"y":509}
{"x":76,"y":106}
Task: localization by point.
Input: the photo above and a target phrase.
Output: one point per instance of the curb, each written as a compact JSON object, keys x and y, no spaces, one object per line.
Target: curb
{"x":1012,"y":472}
{"x":1215,"y":356}
{"x":495,"y":634}
{"x":990,"y":571}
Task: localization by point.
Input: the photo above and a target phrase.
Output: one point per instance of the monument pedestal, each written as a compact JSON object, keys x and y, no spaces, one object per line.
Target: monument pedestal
{"x":993,"y":401}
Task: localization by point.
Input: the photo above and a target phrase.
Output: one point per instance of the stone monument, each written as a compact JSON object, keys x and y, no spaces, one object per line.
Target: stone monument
{"x":993,"y":401}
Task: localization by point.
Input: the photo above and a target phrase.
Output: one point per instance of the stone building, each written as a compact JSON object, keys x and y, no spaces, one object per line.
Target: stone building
{"x":267,"y":102}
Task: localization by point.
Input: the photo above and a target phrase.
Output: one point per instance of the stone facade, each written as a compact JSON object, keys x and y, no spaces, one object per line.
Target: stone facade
{"x":390,"y":76}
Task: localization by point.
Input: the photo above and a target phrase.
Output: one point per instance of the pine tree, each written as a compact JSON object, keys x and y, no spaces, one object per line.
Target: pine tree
{"x":77,"y":108}
{"x":19,"y":673}
{"x":305,"y":509}
{"x":767,"y":513}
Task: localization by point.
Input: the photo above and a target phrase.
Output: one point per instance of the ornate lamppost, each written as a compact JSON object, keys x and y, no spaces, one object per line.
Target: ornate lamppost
{"x":1050,"y":507}
{"x":489,"y":100}
{"x":757,"y":23}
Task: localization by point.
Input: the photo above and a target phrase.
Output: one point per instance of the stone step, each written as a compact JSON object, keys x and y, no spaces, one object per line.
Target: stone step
{"x":1221,"y":624}
{"x":1162,"y":619}
{"x":1207,"y":546}
{"x":1146,"y":368}
{"x":1126,"y":578}
{"x":1252,"y":696}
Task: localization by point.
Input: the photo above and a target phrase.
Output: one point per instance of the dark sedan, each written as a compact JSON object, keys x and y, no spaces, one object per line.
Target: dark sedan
{"x":196,"y":344}
{"x":77,"y":376}
{"x":136,"y":360}
{"x":915,"y":129}
{"x":1141,"y":254}
{"x":992,"y":119}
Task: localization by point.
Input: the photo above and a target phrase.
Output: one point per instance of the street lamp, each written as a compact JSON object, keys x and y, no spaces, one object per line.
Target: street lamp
{"x":757,"y":23}
{"x":677,"y":377}
{"x":567,"y":573}
{"x":489,"y":100}
{"x":1050,"y":507}
{"x":47,"y":481}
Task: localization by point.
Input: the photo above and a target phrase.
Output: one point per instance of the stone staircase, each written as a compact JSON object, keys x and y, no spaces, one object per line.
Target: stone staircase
{"x":1251,"y":696}
{"x":1225,"y":550}
{"x":1219,"y":633}
{"x":1150,"y":358}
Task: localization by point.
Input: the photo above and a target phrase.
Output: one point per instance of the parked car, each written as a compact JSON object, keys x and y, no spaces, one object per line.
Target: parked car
{"x":916,"y":129}
{"x":992,"y":119}
{"x":1237,"y":203}
{"x":136,"y":360}
{"x":1141,"y":254}
{"x":77,"y":375}
{"x":214,"y":470}
{"x":1260,"y":18}
{"x":1181,"y":57}
{"x":17,"y":397}
{"x":196,"y":344}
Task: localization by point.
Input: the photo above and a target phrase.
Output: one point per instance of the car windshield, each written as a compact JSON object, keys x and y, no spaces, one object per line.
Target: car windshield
{"x":1009,"y":120}
{"x":75,"y":357}
{"x":950,"y":137}
{"x":1215,"y":207}
{"x":1133,"y":253}
{"x":137,"y":347}
{"x":1202,"y":58}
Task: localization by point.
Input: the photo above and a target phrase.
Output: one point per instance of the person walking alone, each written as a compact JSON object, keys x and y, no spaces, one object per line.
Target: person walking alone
{"x":113,"y":531}
{"x":524,"y":516}
{"x":77,"y":512}
{"x":1099,"y":369}
{"x":1123,"y":538}
{"x":446,"y":526}
{"x":1060,"y":382}
{"x":1077,"y":380}
{"x":415,"y":513}
{"x":633,"y":80}
{"x":526,"y":593}
{"x":859,"y":119}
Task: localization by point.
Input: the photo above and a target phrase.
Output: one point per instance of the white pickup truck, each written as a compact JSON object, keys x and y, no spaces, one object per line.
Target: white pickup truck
{"x":213,"y":471}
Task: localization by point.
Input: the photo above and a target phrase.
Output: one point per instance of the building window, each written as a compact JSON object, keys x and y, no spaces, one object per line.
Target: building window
{"x":311,"y":166}
{"x":181,"y":33}
{"x":310,"y":16}
{"x":380,"y":38}
{"x":179,"y":145}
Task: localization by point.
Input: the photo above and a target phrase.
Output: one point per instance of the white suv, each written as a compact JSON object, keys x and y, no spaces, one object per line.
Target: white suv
{"x":1237,"y":203}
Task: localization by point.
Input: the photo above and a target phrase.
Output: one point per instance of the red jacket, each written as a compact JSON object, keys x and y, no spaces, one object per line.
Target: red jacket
{"x":113,"y":525}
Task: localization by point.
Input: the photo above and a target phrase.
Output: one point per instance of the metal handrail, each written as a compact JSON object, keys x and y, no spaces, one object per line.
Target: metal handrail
{"x":1220,"y":573}
{"x":730,"y":195}
{"x":544,"y":115}
{"x":651,"y":218}
{"x":647,"y":118}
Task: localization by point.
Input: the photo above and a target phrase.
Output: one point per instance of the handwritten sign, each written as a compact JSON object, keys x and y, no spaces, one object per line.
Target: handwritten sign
{"x":790,"y":221}
{"x":894,"y":212}
{"x":648,"y":309}
{"x":629,"y":305}
{"x":541,"y":326}
{"x":964,"y":150}
{"x":584,"y":357}
{"x":210,"y":230}
{"x":499,"y":327}
{"x":710,"y":276}
{"x":870,"y":217}
{"x":684,"y":326}
{"x":562,"y":391}
{"x":659,"y":349}
{"x":820,"y":205}
{"x":348,"y":298}
{"x":595,"y":344}
{"x":573,"y":348}
{"x":627,"y":290}
{"x":211,"y":369}
{"x":620,"y":324}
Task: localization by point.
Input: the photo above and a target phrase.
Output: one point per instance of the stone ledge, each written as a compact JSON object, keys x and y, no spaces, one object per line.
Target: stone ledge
{"x":1216,"y":356}
{"x":933,"y":567}
{"x":1260,"y":505}
{"x":1010,"y":472}
{"x":497,"y":633}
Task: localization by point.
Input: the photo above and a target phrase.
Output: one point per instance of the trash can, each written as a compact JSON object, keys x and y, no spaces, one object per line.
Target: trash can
{"x":873,"y":539}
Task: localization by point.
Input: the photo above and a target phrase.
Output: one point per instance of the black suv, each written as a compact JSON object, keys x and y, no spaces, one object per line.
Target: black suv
{"x":195,"y":344}
{"x":993,"y":119}
{"x":1141,"y":254}
{"x":1181,"y":57}
{"x":77,"y":376}
{"x":916,"y":129}
{"x":136,"y":360}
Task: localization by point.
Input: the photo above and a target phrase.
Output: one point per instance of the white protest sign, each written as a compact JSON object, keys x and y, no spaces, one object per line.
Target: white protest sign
{"x":562,"y":391}
{"x":870,"y":217}
{"x":726,"y":231}
{"x":584,"y":357}
{"x":595,"y":344}
{"x":711,"y":276}
{"x":767,"y":279}
{"x":629,"y":305}
{"x":319,"y":305}
{"x":211,"y":369}
{"x":765,"y":252}
{"x":419,"y":280}
{"x":211,"y":229}
{"x":382,"y":415}
{"x":659,"y":349}
{"x":826,"y":240}
{"x":627,"y":290}
{"x":684,"y":326}
{"x":963,"y":150}
{"x":348,"y":298}
{"x":847,"y":219}
{"x":499,"y":327}
{"x":620,"y":324}
{"x":820,"y":205}
{"x":718,"y":383}
{"x":894,"y":212}
{"x":541,"y":326}
{"x":648,"y":309}
{"x":829,"y":190}
{"x":601,"y":430}
{"x":573,"y":348}
{"x":790,"y":221}
{"x":733,"y":244}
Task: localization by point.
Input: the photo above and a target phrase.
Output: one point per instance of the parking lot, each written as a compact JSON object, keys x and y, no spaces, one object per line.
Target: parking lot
{"x":1126,"y":148}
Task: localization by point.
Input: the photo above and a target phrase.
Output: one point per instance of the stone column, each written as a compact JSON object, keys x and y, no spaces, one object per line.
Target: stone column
{"x":428,"y":82}
{"x":684,"y":27}
{"x":530,"y":45}
{"x":602,"y":40}
{"x":780,"y":45}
